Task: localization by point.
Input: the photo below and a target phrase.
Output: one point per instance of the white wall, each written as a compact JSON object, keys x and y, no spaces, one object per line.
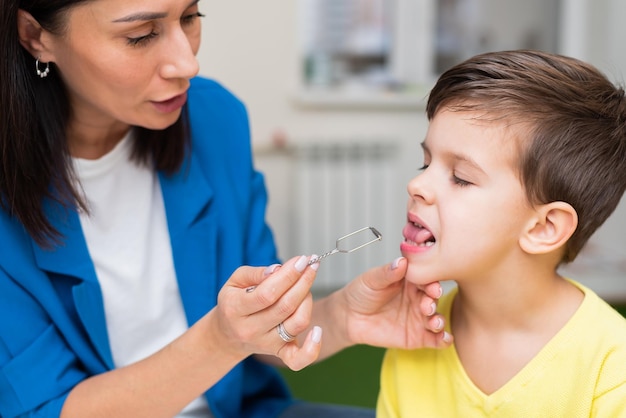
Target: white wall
{"x":252,"y":47}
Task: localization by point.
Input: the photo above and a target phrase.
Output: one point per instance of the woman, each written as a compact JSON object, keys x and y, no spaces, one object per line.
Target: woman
{"x":129,"y":202}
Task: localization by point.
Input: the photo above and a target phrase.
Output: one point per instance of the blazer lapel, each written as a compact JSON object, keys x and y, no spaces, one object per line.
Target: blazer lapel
{"x":193,"y":233}
{"x":71,"y":258}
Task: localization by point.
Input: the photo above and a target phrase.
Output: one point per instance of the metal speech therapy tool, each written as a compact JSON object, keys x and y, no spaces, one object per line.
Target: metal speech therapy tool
{"x":352,"y":242}
{"x":346,"y":244}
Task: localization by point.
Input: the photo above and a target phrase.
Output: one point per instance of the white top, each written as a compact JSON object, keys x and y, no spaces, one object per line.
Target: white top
{"x":128,"y":240}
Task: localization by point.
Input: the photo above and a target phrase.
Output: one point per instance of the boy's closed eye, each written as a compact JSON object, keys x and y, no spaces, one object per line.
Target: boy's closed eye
{"x":460,"y":182}
{"x":456,"y":179}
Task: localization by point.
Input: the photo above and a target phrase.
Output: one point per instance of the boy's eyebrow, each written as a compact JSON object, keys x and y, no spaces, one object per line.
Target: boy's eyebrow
{"x":457,"y":157}
{"x":143,"y":16}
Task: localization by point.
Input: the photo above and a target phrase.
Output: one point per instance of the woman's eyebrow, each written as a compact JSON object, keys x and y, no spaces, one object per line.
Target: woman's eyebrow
{"x":140,"y":16}
{"x":143,"y":16}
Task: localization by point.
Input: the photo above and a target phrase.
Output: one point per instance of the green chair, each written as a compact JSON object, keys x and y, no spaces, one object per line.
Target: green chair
{"x":350,"y":377}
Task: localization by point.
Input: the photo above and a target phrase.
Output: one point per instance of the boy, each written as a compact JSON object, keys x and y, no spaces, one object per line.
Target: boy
{"x":524,"y":158}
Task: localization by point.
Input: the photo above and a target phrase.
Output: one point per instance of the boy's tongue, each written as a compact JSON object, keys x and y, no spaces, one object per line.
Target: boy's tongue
{"x":417,"y":234}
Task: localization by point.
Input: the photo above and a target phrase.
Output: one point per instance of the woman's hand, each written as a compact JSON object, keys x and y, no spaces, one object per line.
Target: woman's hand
{"x":242,"y":323}
{"x":380,"y":308}
{"x":253,"y":303}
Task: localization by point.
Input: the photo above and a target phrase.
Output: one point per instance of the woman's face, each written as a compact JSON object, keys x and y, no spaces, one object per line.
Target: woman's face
{"x":128,"y":61}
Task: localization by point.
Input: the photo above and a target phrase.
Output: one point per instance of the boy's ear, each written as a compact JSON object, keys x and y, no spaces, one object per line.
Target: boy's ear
{"x":31,"y":34}
{"x":550,"y":228}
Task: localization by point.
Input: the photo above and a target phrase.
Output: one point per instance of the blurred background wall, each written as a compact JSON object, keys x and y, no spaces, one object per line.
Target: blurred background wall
{"x":336,"y":89}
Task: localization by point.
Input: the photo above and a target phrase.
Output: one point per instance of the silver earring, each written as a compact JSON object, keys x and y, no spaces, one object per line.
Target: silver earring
{"x":42,"y":73}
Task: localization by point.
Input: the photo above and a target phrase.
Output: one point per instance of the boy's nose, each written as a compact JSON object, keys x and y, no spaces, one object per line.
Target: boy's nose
{"x":418,"y":188}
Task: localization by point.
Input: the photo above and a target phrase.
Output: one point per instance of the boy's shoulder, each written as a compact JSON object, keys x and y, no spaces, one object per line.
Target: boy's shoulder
{"x":603,"y":338}
{"x":594,"y":308}
{"x":598,"y":333}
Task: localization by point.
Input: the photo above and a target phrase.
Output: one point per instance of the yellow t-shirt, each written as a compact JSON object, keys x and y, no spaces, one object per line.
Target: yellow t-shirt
{"x":581,"y":372}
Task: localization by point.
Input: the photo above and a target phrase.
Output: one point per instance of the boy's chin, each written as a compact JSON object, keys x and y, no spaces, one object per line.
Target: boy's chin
{"x":418,"y":275}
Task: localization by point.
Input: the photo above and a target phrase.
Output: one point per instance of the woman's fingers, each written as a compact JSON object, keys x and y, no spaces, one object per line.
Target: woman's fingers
{"x":256,"y":300}
{"x":438,"y":338}
{"x":433,"y":322}
{"x":300,"y":319}
{"x":269,"y":270}
{"x":283,"y":289}
{"x":433,"y":290}
{"x":297,"y":358}
{"x":287,"y":331}
{"x":386,"y":276}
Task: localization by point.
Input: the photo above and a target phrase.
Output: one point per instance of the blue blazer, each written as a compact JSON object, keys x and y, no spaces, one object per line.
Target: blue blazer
{"x":52,"y":322}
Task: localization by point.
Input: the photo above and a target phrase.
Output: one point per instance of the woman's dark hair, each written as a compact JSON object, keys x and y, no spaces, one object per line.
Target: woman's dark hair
{"x":573,"y":119}
{"x":35,"y":163}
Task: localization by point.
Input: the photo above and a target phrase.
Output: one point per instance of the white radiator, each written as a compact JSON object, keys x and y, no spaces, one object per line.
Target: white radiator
{"x":324,"y":190}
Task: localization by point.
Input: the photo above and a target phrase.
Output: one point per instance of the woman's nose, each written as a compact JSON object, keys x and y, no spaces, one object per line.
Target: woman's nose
{"x":180,"y":57}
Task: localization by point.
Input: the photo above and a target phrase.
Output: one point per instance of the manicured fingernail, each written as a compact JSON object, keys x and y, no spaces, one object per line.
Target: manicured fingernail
{"x":439,"y":323}
{"x":317,"y":335}
{"x":446,"y":337}
{"x":271,"y":269}
{"x":433,"y":308}
{"x":314,"y":262}
{"x":440,"y":291}
{"x":396,"y":263}
{"x":301,"y":263}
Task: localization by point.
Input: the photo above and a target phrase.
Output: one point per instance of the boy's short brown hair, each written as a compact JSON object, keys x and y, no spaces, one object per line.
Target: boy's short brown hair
{"x":576,"y":150}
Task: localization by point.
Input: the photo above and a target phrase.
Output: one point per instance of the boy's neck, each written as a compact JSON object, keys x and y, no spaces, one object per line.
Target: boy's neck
{"x":515,"y":304}
{"x":506,"y":323}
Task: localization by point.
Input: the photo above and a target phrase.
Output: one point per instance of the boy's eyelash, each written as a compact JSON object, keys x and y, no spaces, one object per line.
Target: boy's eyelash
{"x":460,"y":182}
{"x":456,"y":180}
{"x":142,"y":40}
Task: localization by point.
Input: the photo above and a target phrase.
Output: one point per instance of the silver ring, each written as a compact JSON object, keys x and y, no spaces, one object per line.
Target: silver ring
{"x":283,"y":334}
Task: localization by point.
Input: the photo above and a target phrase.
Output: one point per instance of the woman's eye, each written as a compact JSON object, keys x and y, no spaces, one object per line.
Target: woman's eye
{"x":422,"y":168}
{"x":190,"y":18}
{"x":141,"y":40}
{"x":145,"y":39}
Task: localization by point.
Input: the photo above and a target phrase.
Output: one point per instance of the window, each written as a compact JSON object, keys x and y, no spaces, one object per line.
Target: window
{"x":360,"y":51}
{"x":347,"y":43}
{"x":468,"y":27}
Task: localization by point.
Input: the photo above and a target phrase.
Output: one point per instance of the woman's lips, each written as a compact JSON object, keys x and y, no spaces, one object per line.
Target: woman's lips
{"x":171,"y":105}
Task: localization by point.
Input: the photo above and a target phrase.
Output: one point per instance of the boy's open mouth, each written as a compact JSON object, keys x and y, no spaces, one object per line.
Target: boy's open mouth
{"x":417,"y":235}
